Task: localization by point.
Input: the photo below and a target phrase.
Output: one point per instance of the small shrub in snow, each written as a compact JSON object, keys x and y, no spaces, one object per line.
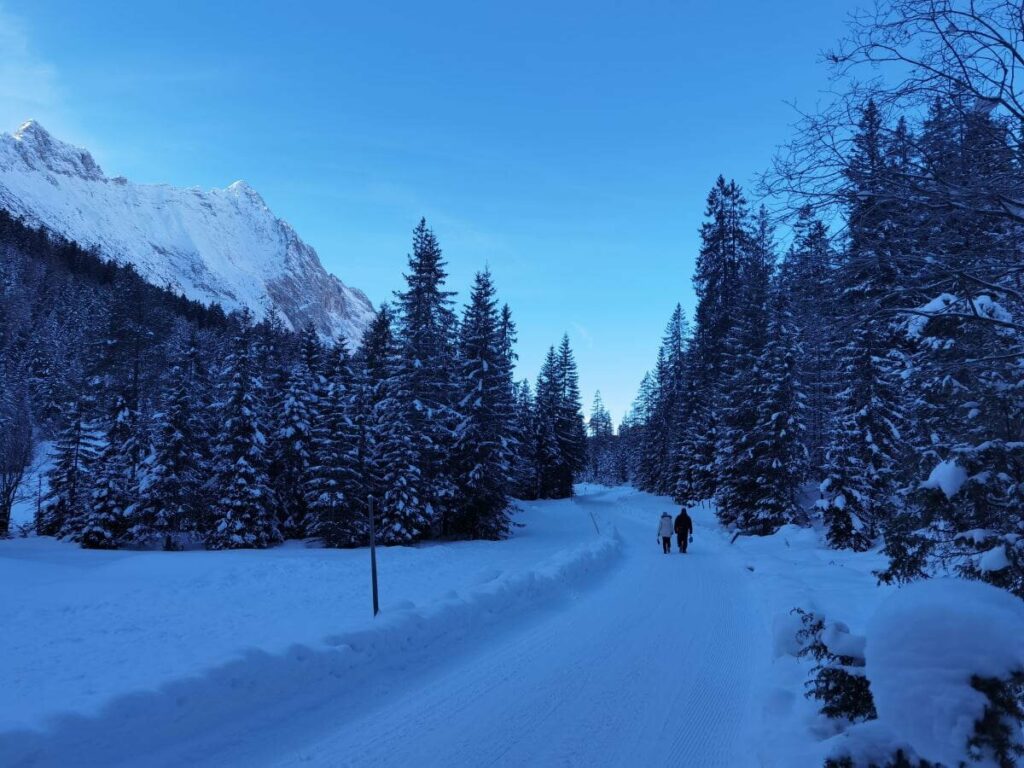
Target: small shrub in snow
{"x":837,"y":679}
{"x":898,"y":760}
{"x":945,"y":660}
{"x":997,"y":733}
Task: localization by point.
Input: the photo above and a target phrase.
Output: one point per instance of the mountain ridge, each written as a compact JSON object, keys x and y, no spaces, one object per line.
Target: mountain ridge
{"x":217,"y":245}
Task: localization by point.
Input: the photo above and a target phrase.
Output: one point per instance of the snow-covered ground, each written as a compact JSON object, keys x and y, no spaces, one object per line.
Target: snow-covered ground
{"x":89,"y":626}
{"x":792,"y":569}
{"x":566,"y":645}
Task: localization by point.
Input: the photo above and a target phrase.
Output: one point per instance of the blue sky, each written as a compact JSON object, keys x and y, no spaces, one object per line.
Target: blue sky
{"x":569,"y":146}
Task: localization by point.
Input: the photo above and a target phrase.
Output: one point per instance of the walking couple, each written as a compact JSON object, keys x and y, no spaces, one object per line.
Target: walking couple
{"x":683,"y":528}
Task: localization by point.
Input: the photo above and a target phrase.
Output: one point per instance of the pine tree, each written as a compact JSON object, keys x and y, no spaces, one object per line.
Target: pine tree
{"x":70,"y":479}
{"x":655,"y":442}
{"x":426,"y":331}
{"x":659,"y":465}
{"x":601,"y":435}
{"x":506,"y":402}
{"x":570,"y":430}
{"x":169,"y":493}
{"x":525,"y":468}
{"x":861,"y":466}
{"x":778,"y":451}
{"x":696,"y":471}
{"x":967,"y":415}
{"x":866,"y":437}
{"x":483,"y":457}
{"x":105,"y":520}
{"x":298,"y":402}
{"x":806,"y":277}
{"x":404,"y":514}
{"x":243,"y":513}
{"x":335,"y":493}
{"x":736,"y":473}
{"x":726,"y":242}
{"x":554,"y":473}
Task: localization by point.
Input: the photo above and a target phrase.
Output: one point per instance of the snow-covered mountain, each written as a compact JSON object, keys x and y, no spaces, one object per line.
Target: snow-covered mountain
{"x":218,"y":245}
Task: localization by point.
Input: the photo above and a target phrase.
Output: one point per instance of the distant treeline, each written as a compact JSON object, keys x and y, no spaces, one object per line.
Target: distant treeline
{"x":174,"y":424}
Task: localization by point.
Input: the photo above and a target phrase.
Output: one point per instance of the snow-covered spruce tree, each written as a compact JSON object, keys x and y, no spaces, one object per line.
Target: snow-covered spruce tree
{"x":654,"y":445}
{"x":70,"y":479}
{"x":725,"y":240}
{"x":169,"y":491}
{"x":866,"y":444}
{"x":695,"y":451}
{"x":806,"y":277}
{"x":297,"y":403}
{"x":374,"y":360}
{"x":525,"y":470}
{"x":600,"y":443}
{"x":837,"y":679}
{"x":426,"y":330}
{"x":508,"y":405}
{"x":335,"y":492}
{"x":966,"y":502}
{"x":570,"y":429}
{"x":554,"y":470}
{"x":737,"y":479}
{"x":864,"y":456}
{"x":404,"y":513}
{"x":778,"y":451}
{"x":200,"y":349}
{"x":106,"y":516}
{"x":658,"y":467}
{"x":243,"y":515}
{"x":635,"y":423}
{"x":483,"y":459}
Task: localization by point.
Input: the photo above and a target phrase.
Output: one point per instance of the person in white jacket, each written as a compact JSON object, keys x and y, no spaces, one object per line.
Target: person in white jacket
{"x":665,"y":532}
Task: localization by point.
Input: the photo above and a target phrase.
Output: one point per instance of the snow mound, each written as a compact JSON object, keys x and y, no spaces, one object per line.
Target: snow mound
{"x":923,"y":646}
{"x":948,"y":476}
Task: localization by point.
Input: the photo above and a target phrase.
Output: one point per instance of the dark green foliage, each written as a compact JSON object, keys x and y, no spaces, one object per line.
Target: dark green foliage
{"x":426,"y":331}
{"x":997,"y":736}
{"x":334,"y":490}
{"x":105,"y":517}
{"x":243,"y":514}
{"x":837,"y":681}
{"x":899,"y":760}
{"x":483,"y":451}
{"x":237,"y":433}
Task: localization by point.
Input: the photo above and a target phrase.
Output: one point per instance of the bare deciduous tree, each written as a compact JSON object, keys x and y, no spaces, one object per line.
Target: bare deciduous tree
{"x":15,"y":453}
{"x":968,"y":54}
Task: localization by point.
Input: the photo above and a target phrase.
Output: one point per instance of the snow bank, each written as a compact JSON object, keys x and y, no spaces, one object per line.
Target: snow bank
{"x":344,"y":669}
{"x":794,"y":568}
{"x":85,"y":628}
{"x":457,"y":614}
{"x":924,"y":644}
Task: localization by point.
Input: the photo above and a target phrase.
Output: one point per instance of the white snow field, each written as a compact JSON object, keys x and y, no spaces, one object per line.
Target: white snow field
{"x":564,"y":646}
{"x":558,"y":647}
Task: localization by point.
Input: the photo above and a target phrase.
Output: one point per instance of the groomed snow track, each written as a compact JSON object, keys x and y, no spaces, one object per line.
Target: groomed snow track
{"x":650,"y":662}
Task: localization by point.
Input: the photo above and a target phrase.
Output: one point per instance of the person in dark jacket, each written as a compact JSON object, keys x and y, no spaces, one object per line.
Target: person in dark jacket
{"x":684,"y":528}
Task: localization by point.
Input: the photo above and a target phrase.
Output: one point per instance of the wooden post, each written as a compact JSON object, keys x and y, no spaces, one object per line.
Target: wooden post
{"x":373,"y":558}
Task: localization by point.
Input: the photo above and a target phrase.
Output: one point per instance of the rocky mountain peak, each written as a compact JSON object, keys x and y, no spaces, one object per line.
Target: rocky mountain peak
{"x":40,"y":150}
{"x":220,"y":245}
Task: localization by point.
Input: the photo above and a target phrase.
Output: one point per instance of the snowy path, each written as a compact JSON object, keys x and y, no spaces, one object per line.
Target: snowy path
{"x":655,"y":667}
{"x":652,"y":663}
